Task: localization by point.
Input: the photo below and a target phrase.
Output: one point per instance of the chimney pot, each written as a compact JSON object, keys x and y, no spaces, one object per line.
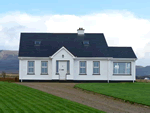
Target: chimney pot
{"x":80,"y":31}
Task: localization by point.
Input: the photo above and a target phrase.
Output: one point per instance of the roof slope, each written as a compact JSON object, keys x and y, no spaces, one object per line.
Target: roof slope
{"x":121,"y":52}
{"x":52,"y":42}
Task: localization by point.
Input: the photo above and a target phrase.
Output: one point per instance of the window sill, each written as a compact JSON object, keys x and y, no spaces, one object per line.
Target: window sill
{"x":30,"y":73}
{"x":96,"y":74}
{"x":122,"y":74}
{"x":82,"y":74}
{"x":44,"y":73}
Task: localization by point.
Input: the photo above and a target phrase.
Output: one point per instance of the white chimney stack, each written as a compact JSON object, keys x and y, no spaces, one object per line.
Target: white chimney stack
{"x":80,"y":31}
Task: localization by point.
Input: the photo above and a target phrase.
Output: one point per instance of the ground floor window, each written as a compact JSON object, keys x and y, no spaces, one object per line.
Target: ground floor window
{"x":122,"y":68}
{"x":30,"y":67}
{"x":82,"y":67}
{"x":44,"y":67}
{"x":96,"y":67}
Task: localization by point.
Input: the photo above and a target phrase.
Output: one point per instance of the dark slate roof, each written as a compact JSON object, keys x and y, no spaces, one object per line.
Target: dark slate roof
{"x":52,"y":42}
{"x":121,"y":52}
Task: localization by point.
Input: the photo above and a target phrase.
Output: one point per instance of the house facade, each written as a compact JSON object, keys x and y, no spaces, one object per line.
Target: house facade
{"x":73,"y":56}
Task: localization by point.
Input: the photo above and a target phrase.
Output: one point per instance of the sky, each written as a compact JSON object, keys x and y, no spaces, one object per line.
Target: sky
{"x":123,"y":22}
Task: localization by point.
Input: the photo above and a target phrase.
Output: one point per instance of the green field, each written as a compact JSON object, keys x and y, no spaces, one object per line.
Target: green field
{"x":132,"y":92}
{"x":16,"y":98}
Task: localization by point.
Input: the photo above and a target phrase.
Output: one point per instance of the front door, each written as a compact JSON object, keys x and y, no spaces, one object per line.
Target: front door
{"x":62,"y":70}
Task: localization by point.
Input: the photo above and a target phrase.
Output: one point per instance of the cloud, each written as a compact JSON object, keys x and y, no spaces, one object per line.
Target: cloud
{"x":121,"y":28}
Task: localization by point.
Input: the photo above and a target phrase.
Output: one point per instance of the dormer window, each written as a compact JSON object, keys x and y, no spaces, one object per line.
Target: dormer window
{"x":37,"y":42}
{"x":85,"y":42}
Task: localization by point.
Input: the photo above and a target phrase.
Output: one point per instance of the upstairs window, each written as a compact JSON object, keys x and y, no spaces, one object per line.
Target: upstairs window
{"x":85,"y":42}
{"x":37,"y":42}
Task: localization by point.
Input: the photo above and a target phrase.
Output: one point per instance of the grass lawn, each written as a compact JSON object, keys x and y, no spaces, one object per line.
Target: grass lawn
{"x":16,"y":98}
{"x":132,"y":92}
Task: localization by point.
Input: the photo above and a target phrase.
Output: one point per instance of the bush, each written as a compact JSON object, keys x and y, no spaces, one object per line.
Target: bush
{"x":3,"y":74}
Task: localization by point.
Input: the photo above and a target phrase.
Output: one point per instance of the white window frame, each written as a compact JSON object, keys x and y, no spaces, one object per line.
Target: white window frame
{"x":44,"y":67}
{"x":96,"y":68}
{"x":31,"y":67}
{"x":125,"y":68}
{"x":82,"y":67}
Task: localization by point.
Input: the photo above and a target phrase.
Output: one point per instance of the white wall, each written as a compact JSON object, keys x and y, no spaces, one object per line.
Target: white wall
{"x":90,"y":76}
{"x":106,"y":68}
{"x":23,"y":64}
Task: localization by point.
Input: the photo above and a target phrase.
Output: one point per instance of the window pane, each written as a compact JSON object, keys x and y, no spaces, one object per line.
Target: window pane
{"x":121,"y":68}
{"x":30,"y":63}
{"x":128,"y":71}
{"x":44,"y":63}
{"x":96,"y":64}
{"x":96,"y":70}
{"x":82,"y":70}
{"x":45,"y":70}
{"x":82,"y":63}
{"x":115,"y":68}
{"x":57,"y":63}
{"x":30,"y":70}
{"x":42,"y":70}
{"x":68,"y":66}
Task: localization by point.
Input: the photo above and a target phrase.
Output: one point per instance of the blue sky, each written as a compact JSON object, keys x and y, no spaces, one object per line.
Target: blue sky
{"x":140,"y":8}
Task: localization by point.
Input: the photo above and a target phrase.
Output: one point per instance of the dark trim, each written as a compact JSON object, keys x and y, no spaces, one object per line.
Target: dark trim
{"x":44,"y":73}
{"x":30,"y":73}
{"x":82,"y":74}
{"x":56,"y":73}
{"x":121,"y":74}
{"x":77,"y":81}
{"x":68,"y":74}
{"x":96,"y":74}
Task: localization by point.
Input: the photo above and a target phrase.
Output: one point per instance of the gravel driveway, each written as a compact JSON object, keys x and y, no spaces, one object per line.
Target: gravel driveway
{"x":101,"y":102}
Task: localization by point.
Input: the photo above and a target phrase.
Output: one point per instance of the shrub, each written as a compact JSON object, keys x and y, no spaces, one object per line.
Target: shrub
{"x":3,"y":74}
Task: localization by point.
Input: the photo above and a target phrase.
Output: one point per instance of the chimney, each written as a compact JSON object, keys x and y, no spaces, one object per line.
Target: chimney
{"x":80,"y":31}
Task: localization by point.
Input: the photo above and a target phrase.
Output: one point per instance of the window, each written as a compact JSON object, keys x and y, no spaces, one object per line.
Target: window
{"x":121,"y":68}
{"x":57,"y":65}
{"x":96,"y":67}
{"x":37,"y":42}
{"x":44,"y":67}
{"x":68,"y":67}
{"x":86,"y":43}
{"x":82,"y":67}
{"x":30,"y":67}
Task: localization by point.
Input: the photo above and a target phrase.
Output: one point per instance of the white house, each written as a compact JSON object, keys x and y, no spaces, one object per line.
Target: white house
{"x":73,"y":57}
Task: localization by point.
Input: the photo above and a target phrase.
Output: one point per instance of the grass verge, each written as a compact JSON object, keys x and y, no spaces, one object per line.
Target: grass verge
{"x":16,"y":98}
{"x":129,"y":92}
